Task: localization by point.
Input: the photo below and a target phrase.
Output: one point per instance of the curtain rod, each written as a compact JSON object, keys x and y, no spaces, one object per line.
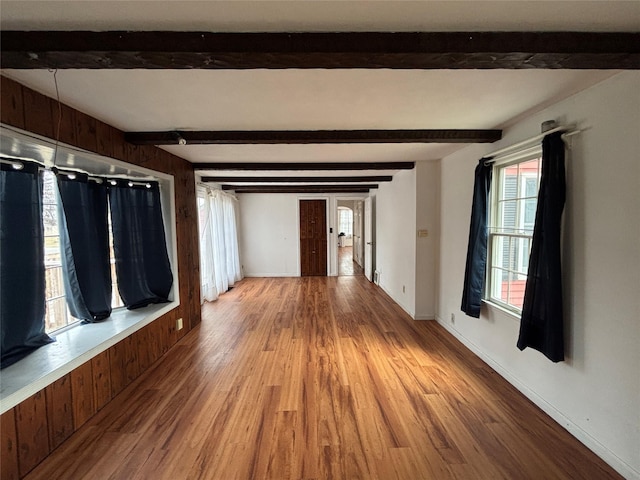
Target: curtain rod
{"x":210,"y":189}
{"x":17,"y":165}
{"x":70,"y":172}
{"x":568,"y":129}
{"x":89,"y":155}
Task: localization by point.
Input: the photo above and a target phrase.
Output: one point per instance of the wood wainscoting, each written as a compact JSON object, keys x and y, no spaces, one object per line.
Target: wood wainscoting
{"x":319,"y":378}
{"x":35,"y":427}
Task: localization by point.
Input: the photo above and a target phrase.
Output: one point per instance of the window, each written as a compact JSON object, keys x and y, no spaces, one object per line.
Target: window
{"x":57,"y":314}
{"x":511,"y":222}
{"x":345,"y":220}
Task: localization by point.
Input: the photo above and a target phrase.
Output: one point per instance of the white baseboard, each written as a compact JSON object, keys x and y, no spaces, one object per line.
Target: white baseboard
{"x":623,"y":468}
{"x":407,"y":311}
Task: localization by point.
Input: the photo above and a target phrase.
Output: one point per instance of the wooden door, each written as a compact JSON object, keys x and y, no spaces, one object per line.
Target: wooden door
{"x":313,"y":237}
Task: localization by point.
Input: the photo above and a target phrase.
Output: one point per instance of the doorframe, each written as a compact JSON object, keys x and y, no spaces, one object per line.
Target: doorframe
{"x":328,"y":225}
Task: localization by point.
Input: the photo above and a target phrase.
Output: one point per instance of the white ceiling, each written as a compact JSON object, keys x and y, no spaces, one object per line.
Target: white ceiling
{"x":152,"y":100}
{"x":309,"y":16}
{"x":159,"y":100}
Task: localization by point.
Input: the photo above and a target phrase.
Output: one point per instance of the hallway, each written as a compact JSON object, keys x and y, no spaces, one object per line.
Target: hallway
{"x":346,"y":264}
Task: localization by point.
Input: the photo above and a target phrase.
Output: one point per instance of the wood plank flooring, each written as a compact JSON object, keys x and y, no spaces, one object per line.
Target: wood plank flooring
{"x":319,"y":378}
{"x":346,"y":264}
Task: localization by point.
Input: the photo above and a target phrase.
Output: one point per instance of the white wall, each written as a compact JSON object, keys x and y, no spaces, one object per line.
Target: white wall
{"x":269,"y":233}
{"x":269,"y":240}
{"x":595,"y":393}
{"x":427,"y":218}
{"x":396,"y":238}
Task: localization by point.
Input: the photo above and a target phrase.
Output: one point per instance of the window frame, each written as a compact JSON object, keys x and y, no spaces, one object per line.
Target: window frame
{"x":494,"y":225}
{"x":77,"y":343}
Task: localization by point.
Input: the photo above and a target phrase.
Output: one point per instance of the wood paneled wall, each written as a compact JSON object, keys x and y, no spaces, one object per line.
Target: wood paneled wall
{"x":35,"y":427}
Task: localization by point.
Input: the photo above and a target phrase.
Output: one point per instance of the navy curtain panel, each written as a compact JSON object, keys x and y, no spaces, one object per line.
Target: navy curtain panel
{"x":142,"y":263}
{"x":84,"y":236}
{"x":541,"y":324}
{"x":474,"y":274}
{"x":22,"y":280}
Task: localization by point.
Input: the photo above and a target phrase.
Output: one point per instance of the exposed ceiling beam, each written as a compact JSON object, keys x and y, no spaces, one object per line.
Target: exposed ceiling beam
{"x":400,"y":50}
{"x":368,"y":178}
{"x":293,"y":166}
{"x":312,"y":136}
{"x":299,"y":188}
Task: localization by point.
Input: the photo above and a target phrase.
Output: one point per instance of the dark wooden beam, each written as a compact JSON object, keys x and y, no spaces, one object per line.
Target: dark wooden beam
{"x":298,"y":188}
{"x":325,"y":188}
{"x":293,"y":166}
{"x":399,"y":50}
{"x":312,"y":136}
{"x":364,"y":178}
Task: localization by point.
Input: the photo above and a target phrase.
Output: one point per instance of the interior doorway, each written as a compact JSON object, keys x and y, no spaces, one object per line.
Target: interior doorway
{"x":350,"y":240}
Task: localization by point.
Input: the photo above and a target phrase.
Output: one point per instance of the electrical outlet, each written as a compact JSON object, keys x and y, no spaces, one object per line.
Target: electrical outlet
{"x":453,"y":318}
{"x":179,"y":324}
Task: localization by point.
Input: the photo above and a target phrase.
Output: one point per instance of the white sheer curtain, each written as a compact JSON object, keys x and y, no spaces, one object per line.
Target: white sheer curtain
{"x":219,"y":255}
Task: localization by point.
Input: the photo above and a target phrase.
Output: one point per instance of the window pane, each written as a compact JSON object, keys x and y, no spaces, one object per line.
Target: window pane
{"x":56,"y":314}
{"x":50,"y":219}
{"x":522,"y":253}
{"x":530,"y":168}
{"x":508,"y":216}
{"x":531,"y":186}
{"x":49,"y":193}
{"x":509,"y":187}
{"x":529,"y":217}
{"x":498,"y":280}
{"x":516,"y":289}
{"x":504,"y":286}
{"x":116,"y":299}
{"x":497,"y":250}
{"x":52,"y":255}
{"x":54,"y":282}
{"x":511,"y":263}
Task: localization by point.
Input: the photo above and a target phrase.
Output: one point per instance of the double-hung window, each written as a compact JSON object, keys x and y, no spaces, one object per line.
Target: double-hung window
{"x":511,"y":220}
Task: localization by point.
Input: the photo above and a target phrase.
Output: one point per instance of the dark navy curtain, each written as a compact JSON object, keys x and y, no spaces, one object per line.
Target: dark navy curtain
{"x":142,"y":263}
{"x":541,"y":324}
{"x":22,"y":280}
{"x":84,"y":235}
{"x":475,"y":271}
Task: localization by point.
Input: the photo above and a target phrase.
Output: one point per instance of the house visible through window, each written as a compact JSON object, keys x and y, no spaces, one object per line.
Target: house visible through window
{"x":57,"y":314}
{"x":512,"y":218}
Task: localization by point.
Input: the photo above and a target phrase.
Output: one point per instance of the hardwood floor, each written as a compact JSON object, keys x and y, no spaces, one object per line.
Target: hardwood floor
{"x":346,"y":264}
{"x":319,"y":378}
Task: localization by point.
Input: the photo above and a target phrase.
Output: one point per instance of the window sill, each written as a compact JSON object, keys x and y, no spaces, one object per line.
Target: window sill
{"x":72,"y":348}
{"x":500,"y":308}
